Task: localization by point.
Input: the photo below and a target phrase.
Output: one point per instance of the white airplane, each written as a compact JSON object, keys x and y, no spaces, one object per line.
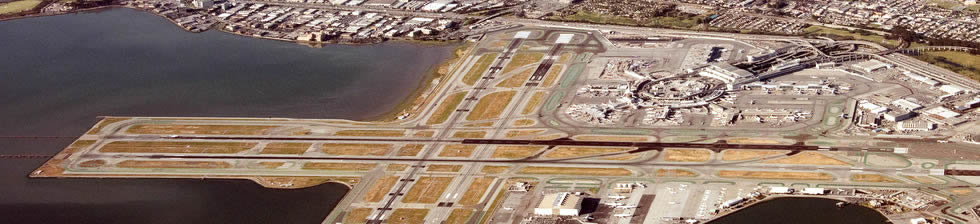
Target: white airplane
{"x":627,"y":206}
{"x":623,"y":215}
{"x":617,"y":197}
{"x":614,"y":203}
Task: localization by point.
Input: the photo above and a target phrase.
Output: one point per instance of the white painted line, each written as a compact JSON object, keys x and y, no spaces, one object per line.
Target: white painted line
{"x":564,"y":38}
{"x":522,"y":35}
{"x":937,"y":172}
{"x":901,"y":150}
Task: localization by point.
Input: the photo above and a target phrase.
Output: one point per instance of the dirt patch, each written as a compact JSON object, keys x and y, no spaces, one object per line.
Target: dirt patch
{"x":515,"y":152}
{"x":521,"y":59}
{"x":162,"y":129}
{"x":475,"y":191}
{"x":611,"y":138}
{"x":494,"y":169}
{"x":924,"y":179}
{"x":491,"y":105}
{"x":371,"y":133}
{"x":873,"y":178}
{"x":746,"y":154}
{"x":396,"y":167}
{"x":427,"y":190}
{"x":356,"y":149}
{"x":357,"y":215}
{"x":424,"y":134}
{"x":183,"y":164}
{"x":285,"y":148}
{"x":575,"y":171}
{"x":92,"y":163}
{"x":457,"y":150}
{"x":552,"y":76}
{"x":441,"y":114}
{"x":459,"y":216}
{"x":444,"y":168}
{"x":478,"y":125}
{"x":774,"y":175}
{"x":523,"y":133}
{"x":523,"y":122}
{"x":469,"y":134}
{"x":410,"y":150}
{"x":407,"y":216}
{"x":687,"y":155}
{"x":476,"y":71}
{"x":380,"y":188}
{"x":339,"y":166}
{"x":176,"y":147}
{"x":808,"y":158}
{"x":286,"y":182}
{"x":675,"y":173}
{"x":516,"y":80}
{"x":562,"y":152}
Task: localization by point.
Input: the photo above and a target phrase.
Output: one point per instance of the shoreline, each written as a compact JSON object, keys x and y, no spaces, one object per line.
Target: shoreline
{"x":774,"y":197}
{"x":424,"y":86}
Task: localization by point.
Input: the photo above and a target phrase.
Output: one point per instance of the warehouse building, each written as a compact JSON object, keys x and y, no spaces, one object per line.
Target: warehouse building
{"x":560,"y":204}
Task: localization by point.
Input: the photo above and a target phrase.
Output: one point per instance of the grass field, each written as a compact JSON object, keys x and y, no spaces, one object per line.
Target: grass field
{"x":516,"y":80}
{"x":494,"y":169}
{"x":523,"y":133}
{"x":491,"y":106}
{"x":774,"y":175}
{"x":459,"y":216}
{"x":380,"y":188}
{"x":521,"y":59}
{"x":523,"y":122}
{"x":475,"y":191}
{"x":514,"y":152}
{"x":808,"y":158}
{"x":469,"y":134}
{"x":371,"y":133}
{"x":410,"y":150}
{"x":873,"y":178}
{"x":285,"y":148}
{"x":479,"y":67}
{"x":746,"y":154}
{"x":408,"y":216}
{"x":457,"y":150}
{"x":478,"y":125}
{"x":581,"y":171}
{"x":176,"y":147}
{"x":339,"y":166}
{"x":18,"y":6}
{"x":552,"y":76}
{"x":444,"y":168}
{"x":838,"y":33}
{"x":173,"y":164}
{"x":960,"y":62}
{"x":534,"y":102}
{"x":675,"y":173}
{"x":427,"y":190}
{"x":687,"y":155}
{"x":161,"y":129}
{"x":562,"y":152}
{"x":446,"y":108}
{"x":356,"y":149}
{"x":357,"y":215}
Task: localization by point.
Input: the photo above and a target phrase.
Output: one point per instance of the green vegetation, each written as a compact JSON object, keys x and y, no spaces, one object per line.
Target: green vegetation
{"x":841,"y":34}
{"x":946,"y":4}
{"x":18,"y":6}
{"x":960,"y":62}
{"x":478,"y":68}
